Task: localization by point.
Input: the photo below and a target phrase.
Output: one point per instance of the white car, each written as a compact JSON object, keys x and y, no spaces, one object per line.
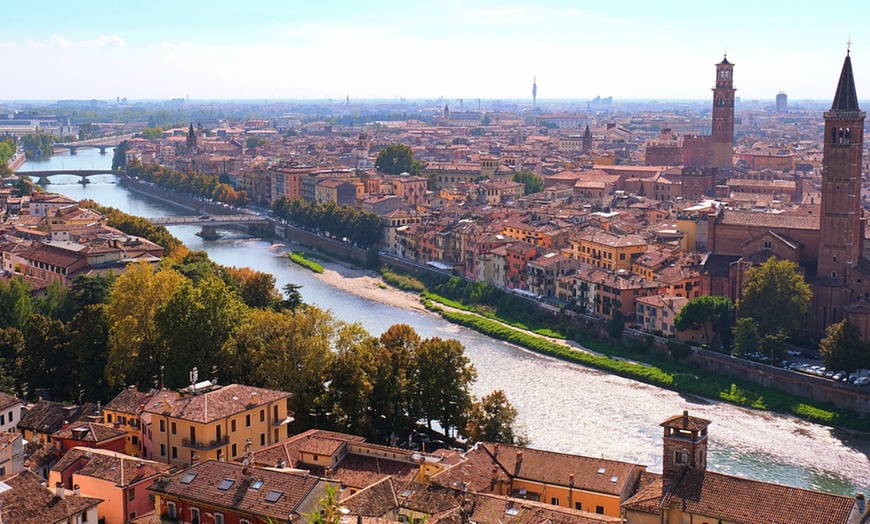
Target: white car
{"x":862,"y":381}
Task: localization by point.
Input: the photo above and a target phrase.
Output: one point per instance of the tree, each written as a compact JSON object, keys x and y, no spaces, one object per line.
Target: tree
{"x":493,"y":419}
{"x":776,"y":296}
{"x":253,"y":142}
{"x":443,"y":376}
{"x":615,"y":327}
{"x":348,"y":397}
{"x":133,"y":335}
{"x":292,"y":297}
{"x":194,"y":324}
{"x":745,"y":336}
{"x":705,"y":312}
{"x":119,"y":156}
{"x":16,"y":304}
{"x":533,"y":182}
{"x":285,"y":351}
{"x":842,"y":348}
{"x":43,"y":360}
{"x":88,"y":337}
{"x":328,"y":509}
{"x":397,"y":159}
{"x":392,"y":377}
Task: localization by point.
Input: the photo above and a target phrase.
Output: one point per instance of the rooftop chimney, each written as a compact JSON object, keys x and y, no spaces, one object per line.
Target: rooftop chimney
{"x":861,"y":504}
{"x":686,"y":417}
{"x":59,"y":491}
{"x":255,"y":398}
{"x":246,"y":475}
{"x":77,"y":490}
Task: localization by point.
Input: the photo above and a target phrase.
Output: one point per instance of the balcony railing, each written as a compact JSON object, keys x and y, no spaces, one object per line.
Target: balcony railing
{"x":198,"y":444}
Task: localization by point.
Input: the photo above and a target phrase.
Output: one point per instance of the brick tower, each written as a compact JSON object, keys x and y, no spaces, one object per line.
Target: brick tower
{"x":684,"y":444}
{"x":723,"y":115}
{"x":841,"y":232}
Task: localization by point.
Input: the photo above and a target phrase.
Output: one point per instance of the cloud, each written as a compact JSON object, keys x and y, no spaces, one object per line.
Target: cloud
{"x":61,"y":42}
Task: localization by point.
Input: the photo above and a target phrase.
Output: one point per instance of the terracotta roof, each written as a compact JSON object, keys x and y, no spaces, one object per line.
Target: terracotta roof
{"x":736,"y":499}
{"x":686,"y":422}
{"x":771,"y":220}
{"x":493,"y":509}
{"x":89,"y":432}
{"x":287,"y":451}
{"x":220,"y":403}
{"x":7,"y":400}
{"x":29,"y":502}
{"x":47,"y":417}
{"x":647,"y":494}
{"x":118,"y":468}
{"x":129,"y":400}
{"x":200,"y":483}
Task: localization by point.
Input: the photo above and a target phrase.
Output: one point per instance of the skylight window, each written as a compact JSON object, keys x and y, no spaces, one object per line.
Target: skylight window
{"x":225,"y":484}
{"x":406,"y":493}
{"x":601,"y":471}
{"x":614,"y":479}
{"x":513,"y":511}
{"x":187,"y":478}
{"x":257,"y":484}
{"x":273,"y":496}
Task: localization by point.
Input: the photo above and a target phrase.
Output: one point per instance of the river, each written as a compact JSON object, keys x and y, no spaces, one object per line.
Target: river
{"x":563,"y":407}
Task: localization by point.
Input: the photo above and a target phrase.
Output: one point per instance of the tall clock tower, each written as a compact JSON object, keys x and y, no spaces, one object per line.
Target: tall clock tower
{"x":723,"y":115}
{"x":841,"y":241}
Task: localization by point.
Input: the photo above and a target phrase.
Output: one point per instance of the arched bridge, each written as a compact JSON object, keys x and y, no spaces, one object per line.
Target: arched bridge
{"x":41,"y":177}
{"x":210,"y":223}
{"x":99,"y":143}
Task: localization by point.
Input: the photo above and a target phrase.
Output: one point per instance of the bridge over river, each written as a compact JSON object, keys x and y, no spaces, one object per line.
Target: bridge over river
{"x":102,"y":144}
{"x":210,"y":223}
{"x":41,"y":177}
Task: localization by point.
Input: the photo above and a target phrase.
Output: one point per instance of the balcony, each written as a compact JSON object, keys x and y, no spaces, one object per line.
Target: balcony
{"x":205,"y":446}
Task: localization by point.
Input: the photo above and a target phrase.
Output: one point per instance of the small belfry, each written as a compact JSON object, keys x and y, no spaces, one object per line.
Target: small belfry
{"x":684,"y":444}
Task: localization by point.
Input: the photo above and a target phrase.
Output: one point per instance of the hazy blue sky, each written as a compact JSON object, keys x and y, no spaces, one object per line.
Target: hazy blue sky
{"x":451,"y":48}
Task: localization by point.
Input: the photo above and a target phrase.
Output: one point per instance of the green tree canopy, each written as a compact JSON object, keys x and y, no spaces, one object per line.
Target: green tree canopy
{"x":397,"y":159}
{"x":443,"y":377}
{"x":776,"y":296}
{"x":705,"y":312}
{"x":745,"y":336}
{"x":533,"y":182}
{"x":842,"y":348}
{"x":493,"y":419}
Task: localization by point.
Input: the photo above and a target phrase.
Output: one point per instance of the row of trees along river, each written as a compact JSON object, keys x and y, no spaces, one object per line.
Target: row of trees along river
{"x":563,"y":407}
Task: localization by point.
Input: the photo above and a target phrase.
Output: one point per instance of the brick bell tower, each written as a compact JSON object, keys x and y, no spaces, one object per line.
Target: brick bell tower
{"x":841,"y":232}
{"x":723,"y":115}
{"x":684,"y":444}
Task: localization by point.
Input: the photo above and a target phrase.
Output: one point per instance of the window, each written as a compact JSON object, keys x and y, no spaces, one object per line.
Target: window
{"x":218,"y":518}
{"x":578,"y":506}
{"x":2,"y":419}
{"x":262,"y":439}
{"x":162,"y":450}
{"x":262,"y":415}
{"x":134,"y":440}
{"x":174,"y":452}
{"x":248,"y":420}
{"x":244,"y":521}
{"x":554,"y":501}
{"x":162,"y":426}
{"x":599,"y":510}
{"x":171,"y":511}
{"x":10,"y":413}
{"x":679,"y":457}
{"x":131,"y":494}
{"x":108,"y":417}
{"x":233,"y":425}
{"x":235,"y":454}
{"x":194,"y":515}
{"x":173,"y":428}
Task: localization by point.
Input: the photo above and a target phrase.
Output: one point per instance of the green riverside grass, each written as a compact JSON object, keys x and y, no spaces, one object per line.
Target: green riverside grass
{"x":299,"y":258}
{"x":655,"y":371}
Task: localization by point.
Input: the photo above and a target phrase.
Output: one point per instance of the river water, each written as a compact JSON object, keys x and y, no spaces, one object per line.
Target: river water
{"x":563,"y":407}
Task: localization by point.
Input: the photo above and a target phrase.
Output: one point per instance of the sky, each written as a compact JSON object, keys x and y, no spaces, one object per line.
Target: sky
{"x":387,"y":49}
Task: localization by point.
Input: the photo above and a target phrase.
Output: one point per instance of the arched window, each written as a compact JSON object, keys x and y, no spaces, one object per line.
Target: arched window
{"x":841,"y":135}
{"x":848,"y":135}
{"x":833,"y":135}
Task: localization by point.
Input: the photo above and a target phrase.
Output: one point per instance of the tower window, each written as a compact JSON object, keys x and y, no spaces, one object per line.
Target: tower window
{"x":848,"y":135}
{"x":833,"y":135}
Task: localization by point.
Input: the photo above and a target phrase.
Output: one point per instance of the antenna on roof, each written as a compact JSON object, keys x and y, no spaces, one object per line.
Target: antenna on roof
{"x":194,"y":377}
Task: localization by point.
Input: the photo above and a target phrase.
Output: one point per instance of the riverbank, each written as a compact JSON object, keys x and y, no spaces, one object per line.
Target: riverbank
{"x":363,"y":283}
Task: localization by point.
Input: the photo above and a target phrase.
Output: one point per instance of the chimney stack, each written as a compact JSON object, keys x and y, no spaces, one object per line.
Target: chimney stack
{"x":861,"y":504}
{"x":58,"y":490}
{"x":77,"y":490}
{"x":246,"y":475}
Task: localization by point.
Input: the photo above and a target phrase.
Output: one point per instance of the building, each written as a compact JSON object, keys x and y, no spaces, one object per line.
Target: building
{"x":10,"y":413}
{"x":211,"y":422}
{"x":723,"y":115}
{"x":89,"y":435}
{"x":11,"y":453}
{"x":123,"y":412}
{"x":227,"y":493}
{"x":781,"y":102}
{"x":45,"y":417}
{"x":26,"y":500}
{"x":605,"y":250}
{"x":120,"y":480}
{"x":687,"y":492}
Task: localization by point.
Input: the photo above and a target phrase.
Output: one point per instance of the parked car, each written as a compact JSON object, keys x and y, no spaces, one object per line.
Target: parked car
{"x":862,"y":381}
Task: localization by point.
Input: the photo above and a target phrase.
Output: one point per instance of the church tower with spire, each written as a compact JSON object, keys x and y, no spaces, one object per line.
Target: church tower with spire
{"x":723,"y":115}
{"x":841,"y":241}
